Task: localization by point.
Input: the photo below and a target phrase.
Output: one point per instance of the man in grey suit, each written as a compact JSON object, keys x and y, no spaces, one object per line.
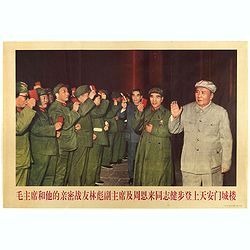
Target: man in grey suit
{"x":207,"y":148}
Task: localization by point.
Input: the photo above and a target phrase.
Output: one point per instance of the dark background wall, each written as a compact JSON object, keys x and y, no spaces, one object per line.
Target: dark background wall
{"x":176,"y":71}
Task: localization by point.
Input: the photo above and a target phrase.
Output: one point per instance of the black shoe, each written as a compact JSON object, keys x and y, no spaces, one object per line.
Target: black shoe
{"x":130,"y":182}
{"x":99,"y":183}
{"x":107,"y":166}
{"x":112,"y":163}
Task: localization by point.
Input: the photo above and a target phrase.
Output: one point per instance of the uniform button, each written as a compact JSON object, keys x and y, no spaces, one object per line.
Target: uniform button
{"x":197,"y":149}
{"x":200,"y":121}
{"x":199,"y":130}
{"x":198,"y":139}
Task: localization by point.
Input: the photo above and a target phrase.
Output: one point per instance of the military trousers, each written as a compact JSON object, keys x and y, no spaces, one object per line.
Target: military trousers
{"x":131,"y":158}
{"x":108,"y":151}
{"x":94,"y":164}
{"x":63,"y":168}
{"x":22,"y":175}
{"x":213,"y":179}
{"x":42,"y":170}
{"x":77,"y":176}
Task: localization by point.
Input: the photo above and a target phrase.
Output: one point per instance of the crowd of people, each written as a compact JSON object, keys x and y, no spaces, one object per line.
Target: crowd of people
{"x":66,"y":136}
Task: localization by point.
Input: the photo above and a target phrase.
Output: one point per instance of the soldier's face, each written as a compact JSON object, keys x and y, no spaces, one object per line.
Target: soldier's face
{"x":63,"y":94}
{"x":203,"y":96}
{"x":156,"y":100}
{"x":136,"y":97}
{"x":44,"y":101}
{"x":21,"y":100}
{"x":82,"y":98}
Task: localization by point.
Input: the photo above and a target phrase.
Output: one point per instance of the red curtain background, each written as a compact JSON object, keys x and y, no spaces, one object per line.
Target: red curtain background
{"x":175,"y":71}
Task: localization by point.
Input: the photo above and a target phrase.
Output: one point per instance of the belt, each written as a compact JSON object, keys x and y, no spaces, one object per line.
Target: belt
{"x":97,"y":129}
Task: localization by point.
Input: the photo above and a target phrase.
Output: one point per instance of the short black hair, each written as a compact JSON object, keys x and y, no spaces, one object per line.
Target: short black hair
{"x":139,"y":90}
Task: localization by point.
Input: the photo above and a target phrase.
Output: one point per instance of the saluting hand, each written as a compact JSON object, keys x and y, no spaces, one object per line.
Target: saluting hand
{"x":94,"y":136}
{"x":175,"y":109}
{"x":58,"y":126}
{"x":76,"y":106}
{"x":92,"y":94}
{"x":31,"y":103}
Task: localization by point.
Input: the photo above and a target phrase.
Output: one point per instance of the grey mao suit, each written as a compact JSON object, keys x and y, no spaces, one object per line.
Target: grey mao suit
{"x":207,"y":141}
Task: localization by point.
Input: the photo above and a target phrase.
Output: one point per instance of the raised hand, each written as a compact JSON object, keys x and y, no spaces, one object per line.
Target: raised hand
{"x":175,"y":109}
{"x":140,"y":107}
{"x":58,"y":126}
{"x":76,"y":106}
{"x":31,"y":103}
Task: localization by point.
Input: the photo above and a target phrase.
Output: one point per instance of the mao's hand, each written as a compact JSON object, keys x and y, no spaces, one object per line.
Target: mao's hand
{"x":175,"y":109}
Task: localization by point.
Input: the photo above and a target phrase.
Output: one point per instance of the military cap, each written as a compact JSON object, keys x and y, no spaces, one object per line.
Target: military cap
{"x":82,"y":90}
{"x":206,"y":84}
{"x":21,"y":87}
{"x":41,"y":91}
{"x":156,"y":90}
{"x":58,"y":87}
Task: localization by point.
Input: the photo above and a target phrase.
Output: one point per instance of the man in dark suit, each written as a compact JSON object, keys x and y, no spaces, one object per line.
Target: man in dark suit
{"x":131,"y":136}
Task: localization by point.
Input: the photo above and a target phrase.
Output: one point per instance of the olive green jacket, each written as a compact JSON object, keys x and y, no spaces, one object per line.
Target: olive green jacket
{"x":110,"y":117}
{"x":23,"y":120}
{"x":153,"y":164}
{"x":67,"y":140}
{"x":85,"y":134}
{"x":43,"y":135}
{"x":97,"y":115}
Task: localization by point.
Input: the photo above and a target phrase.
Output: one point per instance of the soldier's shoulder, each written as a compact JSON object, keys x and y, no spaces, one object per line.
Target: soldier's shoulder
{"x":53,"y":106}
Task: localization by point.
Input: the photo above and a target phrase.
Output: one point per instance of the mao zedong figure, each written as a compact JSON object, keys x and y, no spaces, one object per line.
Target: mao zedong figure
{"x":207,"y":148}
{"x":153,"y":164}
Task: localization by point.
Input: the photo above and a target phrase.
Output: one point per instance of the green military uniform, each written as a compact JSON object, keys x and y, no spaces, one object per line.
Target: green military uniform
{"x":95,"y":153}
{"x":108,"y":150}
{"x":67,"y":141}
{"x":119,"y":141}
{"x":77,"y":176}
{"x":23,"y":156}
{"x":44,"y":148}
{"x":153,"y":164}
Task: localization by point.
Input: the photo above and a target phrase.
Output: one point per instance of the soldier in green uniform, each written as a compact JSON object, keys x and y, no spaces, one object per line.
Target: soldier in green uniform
{"x":112,"y":120}
{"x":24,"y":116}
{"x":67,"y":138}
{"x":153,"y":164}
{"x":84,"y":131}
{"x":99,"y":128}
{"x":44,"y":146}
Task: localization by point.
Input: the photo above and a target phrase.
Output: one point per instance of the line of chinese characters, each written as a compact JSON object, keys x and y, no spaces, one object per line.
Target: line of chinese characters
{"x":134,"y":195}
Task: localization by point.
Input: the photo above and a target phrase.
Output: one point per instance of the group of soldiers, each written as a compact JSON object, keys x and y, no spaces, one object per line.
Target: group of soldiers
{"x":64,"y":139}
